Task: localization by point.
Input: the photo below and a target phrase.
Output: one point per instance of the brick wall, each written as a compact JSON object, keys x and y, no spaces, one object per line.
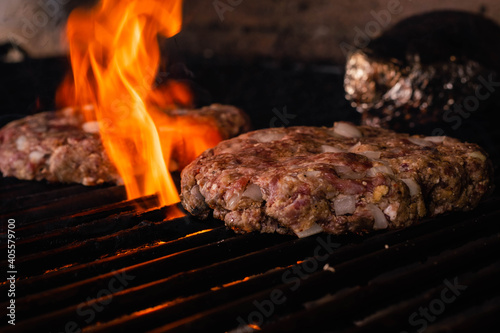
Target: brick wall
{"x":308,"y":30}
{"x":299,"y":29}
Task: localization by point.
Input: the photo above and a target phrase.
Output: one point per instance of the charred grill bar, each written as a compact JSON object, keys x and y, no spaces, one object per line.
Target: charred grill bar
{"x":107,"y":264}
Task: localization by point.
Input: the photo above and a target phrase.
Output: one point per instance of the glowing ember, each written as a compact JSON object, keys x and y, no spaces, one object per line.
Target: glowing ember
{"x":114,"y":55}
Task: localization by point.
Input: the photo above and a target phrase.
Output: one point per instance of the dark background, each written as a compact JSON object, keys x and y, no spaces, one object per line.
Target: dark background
{"x":280,"y":61}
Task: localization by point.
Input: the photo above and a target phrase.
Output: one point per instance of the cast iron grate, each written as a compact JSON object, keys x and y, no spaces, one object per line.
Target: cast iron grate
{"x":88,"y":259}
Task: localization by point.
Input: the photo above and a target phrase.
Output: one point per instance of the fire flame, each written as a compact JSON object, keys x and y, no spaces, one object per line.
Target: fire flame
{"x":114,"y":57}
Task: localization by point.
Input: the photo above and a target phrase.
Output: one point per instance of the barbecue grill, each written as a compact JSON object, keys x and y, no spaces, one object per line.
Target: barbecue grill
{"x":87,"y":259}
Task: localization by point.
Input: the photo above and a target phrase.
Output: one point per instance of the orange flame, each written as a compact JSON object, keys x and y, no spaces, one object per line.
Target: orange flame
{"x":114,"y":56}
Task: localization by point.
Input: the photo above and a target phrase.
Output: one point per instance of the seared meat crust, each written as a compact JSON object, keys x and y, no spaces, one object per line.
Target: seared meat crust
{"x":341,"y":179}
{"x":61,"y":147}
{"x":55,"y":147}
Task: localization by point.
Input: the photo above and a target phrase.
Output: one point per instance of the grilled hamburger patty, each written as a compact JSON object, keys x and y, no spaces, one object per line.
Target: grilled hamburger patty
{"x":61,"y":147}
{"x":341,"y":179}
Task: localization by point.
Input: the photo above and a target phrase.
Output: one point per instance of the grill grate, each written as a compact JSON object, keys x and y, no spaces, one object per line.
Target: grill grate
{"x":89,"y":259}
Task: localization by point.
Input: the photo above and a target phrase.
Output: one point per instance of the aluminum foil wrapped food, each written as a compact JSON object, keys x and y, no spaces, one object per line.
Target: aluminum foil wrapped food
{"x":429,"y":74}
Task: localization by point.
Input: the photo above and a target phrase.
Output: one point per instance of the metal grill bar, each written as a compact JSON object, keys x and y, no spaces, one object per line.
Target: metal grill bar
{"x":480,"y":318}
{"x":187,"y":275}
{"x":67,"y":205}
{"x":356,"y":272}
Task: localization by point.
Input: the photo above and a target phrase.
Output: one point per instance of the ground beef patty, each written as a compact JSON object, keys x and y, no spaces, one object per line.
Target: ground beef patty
{"x":61,"y":147}
{"x":340,"y":179}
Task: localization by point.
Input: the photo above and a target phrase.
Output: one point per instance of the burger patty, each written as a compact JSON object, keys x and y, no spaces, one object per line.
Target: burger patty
{"x":341,"y":179}
{"x":61,"y":147}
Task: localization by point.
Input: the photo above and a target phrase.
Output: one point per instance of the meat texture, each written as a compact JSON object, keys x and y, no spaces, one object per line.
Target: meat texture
{"x":57,"y":147}
{"x":61,"y":147}
{"x":341,"y":179}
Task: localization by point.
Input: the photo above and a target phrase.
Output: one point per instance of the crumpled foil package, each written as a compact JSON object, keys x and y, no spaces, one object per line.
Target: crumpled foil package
{"x":434,"y":74}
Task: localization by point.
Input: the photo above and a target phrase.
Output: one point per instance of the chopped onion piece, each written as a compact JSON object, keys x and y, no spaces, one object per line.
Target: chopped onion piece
{"x":371,"y":154}
{"x":378,"y":215}
{"x":36,"y":156}
{"x":331,"y":149}
{"x":267,"y":136}
{"x":391,"y":211}
{"x":412,"y":185}
{"x":354,"y":148}
{"x":253,"y":192}
{"x":313,"y":230}
{"x":91,"y":127}
{"x":346,"y":130}
{"x":195,"y":192}
{"x":419,"y":141}
{"x":478,"y":155}
{"x":327,"y":267}
{"x":227,"y":147}
{"x":68,"y":111}
{"x":435,"y":139}
{"x":233,"y":201}
{"x":313,"y":173}
{"x":365,"y":149}
{"x":22,"y":143}
{"x":345,"y":204}
{"x":343,"y":171}
{"x":372,"y":172}
{"x":87,"y":181}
